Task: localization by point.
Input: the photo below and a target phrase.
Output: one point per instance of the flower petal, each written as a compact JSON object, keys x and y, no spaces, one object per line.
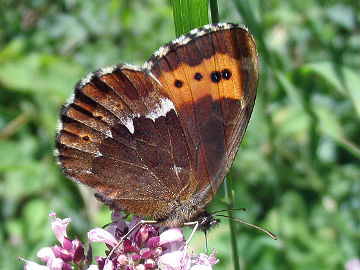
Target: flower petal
{"x":116,"y":216}
{"x":129,"y":247}
{"x":353,"y":264}
{"x":135,"y":257}
{"x":204,"y":262}
{"x":122,"y":260}
{"x":201,"y":267}
{"x":93,"y":267}
{"x":202,"y":259}
{"x":101,"y":235}
{"x":62,"y":253}
{"x":88,"y":257}
{"x":34,"y":266}
{"x":55,"y":264}
{"x":150,"y":264}
{"x":153,"y":242}
{"x":140,"y":267}
{"x":67,"y":244}
{"x":59,"y":228}
{"x":142,"y":235}
{"x":146,"y":253}
{"x":79,"y":255}
{"x":100,"y":261}
{"x":171,"y":235}
{"x":45,"y":254}
{"x":213,"y":260}
{"x":109,"y":265}
{"x":175,"y":260}
{"x":66,"y":266}
{"x":134,"y":221}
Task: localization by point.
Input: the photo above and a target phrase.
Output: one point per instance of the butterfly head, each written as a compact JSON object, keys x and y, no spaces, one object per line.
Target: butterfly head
{"x":207,"y":222}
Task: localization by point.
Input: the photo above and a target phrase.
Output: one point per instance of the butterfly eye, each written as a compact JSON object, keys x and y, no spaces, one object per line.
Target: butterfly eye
{"x":215,"y":76}
{"x":178,"y":83}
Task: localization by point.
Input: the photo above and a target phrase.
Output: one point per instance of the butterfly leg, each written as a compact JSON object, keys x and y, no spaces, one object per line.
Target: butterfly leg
{"x":196,"y":225}
{"x":206,"y":243}
{"x":137,"y":225}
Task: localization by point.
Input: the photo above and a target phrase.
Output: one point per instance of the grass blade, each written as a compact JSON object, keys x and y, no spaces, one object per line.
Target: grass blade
{"x":214,"y":11}
{"x":230,"y":199}
{"x":189,"y":14}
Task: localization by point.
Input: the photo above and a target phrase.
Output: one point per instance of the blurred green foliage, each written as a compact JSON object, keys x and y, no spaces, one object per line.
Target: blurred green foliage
{"x":297,"y":171}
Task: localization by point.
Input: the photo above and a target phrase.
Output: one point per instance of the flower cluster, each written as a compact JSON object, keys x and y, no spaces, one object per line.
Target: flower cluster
{"x":69,"y":253}
{"x":146,"y":247}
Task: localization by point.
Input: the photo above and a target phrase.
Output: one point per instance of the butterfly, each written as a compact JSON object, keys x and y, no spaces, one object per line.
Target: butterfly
{"x":158,"y":140}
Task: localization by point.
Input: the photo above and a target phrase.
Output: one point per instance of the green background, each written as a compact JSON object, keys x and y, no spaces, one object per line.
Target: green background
{"x":297,"y":171}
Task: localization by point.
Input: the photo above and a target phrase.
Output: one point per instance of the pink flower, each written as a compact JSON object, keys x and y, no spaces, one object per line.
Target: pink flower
{"x":45,"y":254}
{"x":141,"y":248}
{"x":93,"y":267}
{"x":59,"y":227}
{"x":175,"y":260}
{"x":353,"y":264}
{"x":101,"y":235}
{"x":204,"y":262}
{"x":146,"y":247}
{"x":61,"y":257}
{"x":33,"y":266}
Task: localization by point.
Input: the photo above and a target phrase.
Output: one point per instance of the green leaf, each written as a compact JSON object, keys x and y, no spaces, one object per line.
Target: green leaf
{"x":13,"y":50}
{"x":348,"y":85}
{"x":214,"y":11}
{"x":327,"y":71}
{"x":189,"y":14}
{"x":353,"y":87}
{"x":36,"y":219}
{"x":42,"y":74}
{"x":291,"y":90}
{"x":331,"y":127}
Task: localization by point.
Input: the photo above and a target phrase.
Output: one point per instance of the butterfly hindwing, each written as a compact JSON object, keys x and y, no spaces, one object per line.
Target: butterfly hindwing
{"x":120,"y":134}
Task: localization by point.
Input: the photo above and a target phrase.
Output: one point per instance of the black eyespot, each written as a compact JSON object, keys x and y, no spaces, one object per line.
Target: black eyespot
{"x":99,"y":117}
{"x":197,"y":76}
{"x":226,"y":74}
{"x":178,"y":83}
{"x":85,"y":138}
{"x":215,"y":76}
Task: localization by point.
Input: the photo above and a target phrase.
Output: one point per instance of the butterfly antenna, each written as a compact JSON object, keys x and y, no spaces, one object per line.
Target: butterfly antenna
{"x":273,"y":236}
{"x":231,"y":209}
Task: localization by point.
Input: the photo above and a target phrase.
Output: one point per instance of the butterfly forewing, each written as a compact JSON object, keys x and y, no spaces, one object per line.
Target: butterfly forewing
{"x":211,"y":75}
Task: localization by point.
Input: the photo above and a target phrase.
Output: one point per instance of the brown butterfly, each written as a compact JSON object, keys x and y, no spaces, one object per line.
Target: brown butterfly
{"x":157,"y":140}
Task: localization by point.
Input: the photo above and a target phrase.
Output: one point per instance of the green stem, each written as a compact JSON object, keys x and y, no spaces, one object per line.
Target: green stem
{"x":214,"y":11}
{"x":189,"y":14}
{"x":230,"y":198}
{"x":255,"y":28}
